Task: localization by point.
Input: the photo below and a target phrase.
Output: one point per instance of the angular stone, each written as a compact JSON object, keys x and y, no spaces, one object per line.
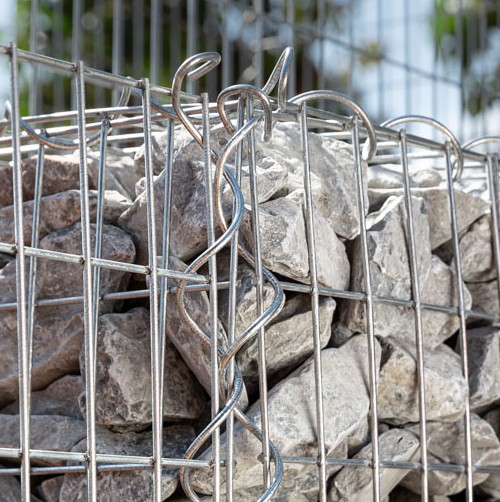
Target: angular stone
{"x":469,"y":208}
{"x":59,"y":211}
{"x":446,"y":444}
{"x":48,"y":432}
{"x":353,"y":484}
{"x":388,"y":258}
{"x":60,"y":173}
{"x":445,"y":386}
{"x":123,"y":392}
{"x":491,"y":487}
{"x":484,"y":296}
{"x":284,"y":243}
{"x":476,"y":252}
{"x":50,"y":489}
{"x":484,"y":360}
{"x":59,"y":398}
{"x":289,"y":339}
{"x":129,"y":485}
{"x":58,"y":329}
{"x":391,"y":176}
{"x":292,"y":414}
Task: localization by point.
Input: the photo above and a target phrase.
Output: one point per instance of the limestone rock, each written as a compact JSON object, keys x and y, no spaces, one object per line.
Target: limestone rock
{"x":401,"y":494}
{"x":446,"y":444}
{"x":388,"y":257}
{"x":292,"y":414}
{"x":476,"y":252}
{"x":491,"y":487}
{"x":59,"y":398}
{"x":117,"y":486}
{"x":58,"y":330}
{"x":484,"y":296}
{"x":60,"y":211}
{"x":60,"y":173}
{"x":123,"y":394}
{"x":484,"y":360}
{"x":48,"y":432}
{"x":283,"y":243}
{"x":355,"y":484}
{"x":289,"y":339}
{"x":469,"y":208}
{"x":445,"y":386}
{"x":391,"y":176}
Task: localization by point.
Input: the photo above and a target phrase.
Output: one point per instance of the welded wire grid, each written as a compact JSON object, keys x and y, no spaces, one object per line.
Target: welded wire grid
{"x":240,"y":108}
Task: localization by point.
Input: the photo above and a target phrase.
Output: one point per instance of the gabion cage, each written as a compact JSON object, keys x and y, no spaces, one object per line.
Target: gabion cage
{"x":267,"y":297}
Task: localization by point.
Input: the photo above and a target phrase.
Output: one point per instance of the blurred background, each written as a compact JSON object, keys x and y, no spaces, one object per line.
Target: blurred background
{"x":439,"y":58}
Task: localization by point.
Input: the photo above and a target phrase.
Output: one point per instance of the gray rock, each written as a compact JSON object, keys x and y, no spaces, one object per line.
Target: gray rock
{"x":476,"y":252}
{"x":401,"y":494}
{"x":292,"y":414}
{"x":123,"y":392}
{"x":484,"y":296}
{"x":289,"y":339}
{"x":50,"y":489}
{"x":4,"y":259}
{"x":469,"y":208}
{"x":491,"y":487}
{"x":484,"y":360}
{"x":445,"y":386}
{"x":356,"y":484}
{"x":59,"y":398}
{"x":117,"y":486}
{"x":60,"y":173}
{"x":48,"y":432}
{"x":10,"y":490}
{"x":388,"y":257}
{"x":59,"y":211}
{"x":391,"y":176}
{"x":283,"y":243}
{"x":446,"y":444}
{"x":58,"y":330}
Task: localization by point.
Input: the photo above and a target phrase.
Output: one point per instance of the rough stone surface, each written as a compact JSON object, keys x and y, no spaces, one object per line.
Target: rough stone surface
{"x":4,"y":259}
{"x":123,"y":394}
{"x":484,"y":296}
{"x":391,"y":176}
{"x":60,"y":173}
{"x":445,"y":443}
{"x":59,"y":398}
{"x":289,"y":339}
{"x":60,"y":211}
{"x":390,"y":275}
{"x":10,"y":490}
{"x":484,"y":360}
{"x":58,"y":330}
{"x":129,"y":485}
{"x":401,"y":494}
{"x":292,"y":414}
{"x":476,"y":252}
{"x":356,"y":484}
{"x":491,"y":487}
{"x":469,"y":208}
{"x":445,"y":386}
{"x":50,"y":489}
{"x":48,"y":432}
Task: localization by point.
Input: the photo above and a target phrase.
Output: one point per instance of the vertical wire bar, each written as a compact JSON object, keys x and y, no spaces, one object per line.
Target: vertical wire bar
{"x":258,"y":60}
{"x":90,"y":334}
{"x":117,"y":48}
{"x":76,"y":35}
{"x":482,"y":46}
{"x":227,"y":57}
{"x":33,"y":90}
{"x":155,"y":41}
{"x":35,"y":234}
{"x":165,"y":251}
{"x":175,"y":47}
{"x":408,"y":79}
{"x":99,"y":43}
{"x":380,"y":66}
{"x":462,"y":316}
{"x":492,"y":168}
{"x":259,"y":287}
{"x":320,"y":36}
{"x":101,"y":187}
{"x":59,"y":52}
{"x":192,"y":37}
{"x":212,"y":270}
{"x":459,"y":45}
{"x":22,"y":328}
{"x":156,"y":384}
{"x":231,"y":320}
{"x":290,"y":20}
{"x":369,"y":312}
{"x":313,"y":271}
{"x":415,"y":284}
{"x":138,"y":38}
{"x":352,"y":53}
